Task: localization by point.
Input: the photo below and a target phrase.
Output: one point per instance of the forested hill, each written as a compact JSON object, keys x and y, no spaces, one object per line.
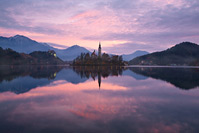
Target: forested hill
{"x":185,"y":53}
{"x":11,"y":57}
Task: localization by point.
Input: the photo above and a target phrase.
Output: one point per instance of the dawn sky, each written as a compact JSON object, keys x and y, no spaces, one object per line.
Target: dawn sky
{"x":123,"y":26}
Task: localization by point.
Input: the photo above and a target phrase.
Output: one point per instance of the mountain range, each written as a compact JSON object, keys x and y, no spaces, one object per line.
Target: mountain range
{"x":23,"y":44}
{"x":185,"y":53}
{"x":26,"y":45}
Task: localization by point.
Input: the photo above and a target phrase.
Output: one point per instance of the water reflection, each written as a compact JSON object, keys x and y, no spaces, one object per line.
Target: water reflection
{"x":21,"y":79}
{"x":98,"y":71}
{"x":63,"y":99}
{"x":183,"y":78}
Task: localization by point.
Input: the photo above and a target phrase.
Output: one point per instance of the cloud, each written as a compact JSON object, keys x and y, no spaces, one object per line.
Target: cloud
{"x":10,"y":20}
{"x":155,"y":23}
{"x":57,"y":45}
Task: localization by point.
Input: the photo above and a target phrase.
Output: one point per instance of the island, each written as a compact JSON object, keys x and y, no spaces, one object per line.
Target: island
{"x":87,"y":59}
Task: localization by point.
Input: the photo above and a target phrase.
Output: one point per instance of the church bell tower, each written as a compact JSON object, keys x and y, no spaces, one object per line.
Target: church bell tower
{"x":99,"y":50}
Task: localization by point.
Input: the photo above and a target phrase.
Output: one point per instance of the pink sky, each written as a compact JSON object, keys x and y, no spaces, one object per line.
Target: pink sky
{"x":122,"y":26}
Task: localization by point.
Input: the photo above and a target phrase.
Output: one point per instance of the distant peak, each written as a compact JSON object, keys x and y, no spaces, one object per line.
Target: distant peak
{"x":19,"y":37}
{"x":75,"y":46}
{"x":184,"y":45}
{"x":187,"y":43}
{"x":140,"y":51}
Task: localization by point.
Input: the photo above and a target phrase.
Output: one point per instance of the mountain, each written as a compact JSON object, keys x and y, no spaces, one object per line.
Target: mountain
{"x":71,"y":53}
{"x":26,"y":45}
{"x":185,"y":53}
{"x":10,"y":57}
{"x":22,"y":44}
{"x":128,"y":57}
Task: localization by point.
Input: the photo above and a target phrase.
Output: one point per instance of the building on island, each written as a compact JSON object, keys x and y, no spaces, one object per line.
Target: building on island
{"x":52,"y":52}
{"x":93,"y":55}
{"x":99,"y":50}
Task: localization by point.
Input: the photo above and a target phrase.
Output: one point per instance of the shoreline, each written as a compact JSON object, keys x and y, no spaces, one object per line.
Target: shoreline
{"x":162,"y":66}
{"x":127,"y":66}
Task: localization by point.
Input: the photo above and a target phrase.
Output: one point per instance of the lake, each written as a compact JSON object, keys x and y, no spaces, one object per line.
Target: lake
{"x":36,"y":99}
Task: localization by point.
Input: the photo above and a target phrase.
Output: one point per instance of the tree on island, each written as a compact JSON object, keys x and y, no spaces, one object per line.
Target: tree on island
{"x":93,"y":60}
{"x":104,"y":59}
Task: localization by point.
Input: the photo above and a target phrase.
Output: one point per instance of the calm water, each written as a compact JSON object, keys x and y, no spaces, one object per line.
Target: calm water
{"x":57,"y":99}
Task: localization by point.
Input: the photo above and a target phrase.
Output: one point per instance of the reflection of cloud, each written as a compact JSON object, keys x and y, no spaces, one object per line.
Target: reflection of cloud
{"x":141,"y":106}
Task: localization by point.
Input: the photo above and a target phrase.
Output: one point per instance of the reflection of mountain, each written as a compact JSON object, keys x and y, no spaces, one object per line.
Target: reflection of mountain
{"x":69,"y":75}
{"x":20,"y":79}
{"x":184,"y":78}
{"x":22,"y":84}
{"x":136,"y":76}
{"x":25,"y":78}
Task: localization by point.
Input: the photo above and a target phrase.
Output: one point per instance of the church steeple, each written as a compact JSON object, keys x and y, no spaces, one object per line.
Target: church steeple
{"x":100,"y":50}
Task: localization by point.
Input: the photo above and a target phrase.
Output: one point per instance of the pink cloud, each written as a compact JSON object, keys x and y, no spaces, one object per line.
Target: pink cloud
{"x":85,"y":23}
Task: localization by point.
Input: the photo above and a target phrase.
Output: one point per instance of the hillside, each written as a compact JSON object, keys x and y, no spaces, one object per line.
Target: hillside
{"x":23,"y":44}
{"x":185,"y":53}
{"x":46,"y":57}
{"x":11,"y":57}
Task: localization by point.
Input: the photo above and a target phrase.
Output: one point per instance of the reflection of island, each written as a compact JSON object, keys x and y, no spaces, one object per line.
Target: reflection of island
{"x":98,"y":71}
{"x":184,"y":78}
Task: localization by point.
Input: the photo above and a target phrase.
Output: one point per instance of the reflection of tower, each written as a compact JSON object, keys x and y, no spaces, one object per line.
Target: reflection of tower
{"x":99,"y":79}
{"x":100,"y":50}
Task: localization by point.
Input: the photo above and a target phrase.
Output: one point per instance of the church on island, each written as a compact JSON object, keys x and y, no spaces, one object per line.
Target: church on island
{"x":99,"y":59}
{"x":93,"y":55}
